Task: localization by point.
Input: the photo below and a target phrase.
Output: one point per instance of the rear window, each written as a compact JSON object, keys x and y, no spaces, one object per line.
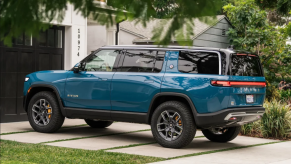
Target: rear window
{"x":244,"y":65}
{"x":198,"y":62}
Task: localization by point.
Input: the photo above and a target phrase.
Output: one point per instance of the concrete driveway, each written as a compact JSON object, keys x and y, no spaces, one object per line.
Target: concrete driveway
{"x":137,"y":139}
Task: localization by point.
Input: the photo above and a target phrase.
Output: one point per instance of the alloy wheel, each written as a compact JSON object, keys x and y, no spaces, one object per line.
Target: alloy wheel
{"x":170,"y":125}
{"x":41,"y":112}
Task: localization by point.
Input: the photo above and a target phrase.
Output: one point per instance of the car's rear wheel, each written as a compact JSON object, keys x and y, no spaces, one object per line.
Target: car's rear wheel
{"x":221,"y":134}
{"x":173,"y":125}
{"x":98,"y":123}
{"x":44,"y":113}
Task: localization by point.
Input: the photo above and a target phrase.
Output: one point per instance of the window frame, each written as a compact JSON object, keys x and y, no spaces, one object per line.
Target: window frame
{"x":219,"y":61}
{"x":121,"y":61}
{"x":118,"y":57}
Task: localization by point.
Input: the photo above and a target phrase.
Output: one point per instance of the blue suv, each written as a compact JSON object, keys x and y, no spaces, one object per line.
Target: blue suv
{"x":176,"y":90}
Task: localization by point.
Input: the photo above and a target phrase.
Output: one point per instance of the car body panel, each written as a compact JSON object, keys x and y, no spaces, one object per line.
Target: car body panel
{"x":53,"y":78}
{"x":88,"y":90}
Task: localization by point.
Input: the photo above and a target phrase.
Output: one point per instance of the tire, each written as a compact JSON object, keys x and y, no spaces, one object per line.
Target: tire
{"x":98,"y":124}
{"x":48,"y":100}
{"x":230,"y":134}
{"x":176,"y":140}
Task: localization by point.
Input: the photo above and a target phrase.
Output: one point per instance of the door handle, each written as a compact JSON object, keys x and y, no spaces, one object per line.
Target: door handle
{"x":104,"y":79}
{"x":149,"y":81}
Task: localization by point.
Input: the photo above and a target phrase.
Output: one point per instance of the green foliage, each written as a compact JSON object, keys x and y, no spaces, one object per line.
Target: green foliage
{"x":251,"y":129}
{"x":276,"y":122}
{"x":253,"y":32}
{"x":272,"y":92}
{"x":32,"y":16}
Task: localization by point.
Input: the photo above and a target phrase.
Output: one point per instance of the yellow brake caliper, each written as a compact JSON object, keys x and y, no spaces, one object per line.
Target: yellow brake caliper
{"x":49,"y":111}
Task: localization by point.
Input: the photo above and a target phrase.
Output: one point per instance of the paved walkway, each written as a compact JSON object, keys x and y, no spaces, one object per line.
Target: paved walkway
{"x":137,"y":139}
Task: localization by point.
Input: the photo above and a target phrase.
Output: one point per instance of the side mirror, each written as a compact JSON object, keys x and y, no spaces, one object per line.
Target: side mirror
{"x":76,"y":69}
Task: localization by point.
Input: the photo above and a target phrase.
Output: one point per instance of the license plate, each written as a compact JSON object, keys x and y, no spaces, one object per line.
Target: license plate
{"x":250,"y":98}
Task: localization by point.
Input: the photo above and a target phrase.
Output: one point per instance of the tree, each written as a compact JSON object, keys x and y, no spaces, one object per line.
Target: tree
{"x":255,"y":33}
{"x":278,"y":10}
{"x":32,"y":16}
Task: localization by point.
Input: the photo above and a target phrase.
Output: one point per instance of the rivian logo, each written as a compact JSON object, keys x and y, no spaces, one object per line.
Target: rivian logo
{"x":72,"y":95}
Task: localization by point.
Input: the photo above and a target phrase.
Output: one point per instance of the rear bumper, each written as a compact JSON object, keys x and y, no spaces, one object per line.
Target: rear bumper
{"x":229,"y":117}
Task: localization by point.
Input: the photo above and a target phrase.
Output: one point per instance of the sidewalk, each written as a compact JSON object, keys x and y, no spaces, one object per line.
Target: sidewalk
{"x":137,"y":139}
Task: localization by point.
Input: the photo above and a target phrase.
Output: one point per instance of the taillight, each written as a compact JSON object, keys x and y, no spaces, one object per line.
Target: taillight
{"x":237,"y":83}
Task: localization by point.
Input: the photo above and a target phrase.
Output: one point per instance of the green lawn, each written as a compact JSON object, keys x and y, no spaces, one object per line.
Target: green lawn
{"x":14,"y":152}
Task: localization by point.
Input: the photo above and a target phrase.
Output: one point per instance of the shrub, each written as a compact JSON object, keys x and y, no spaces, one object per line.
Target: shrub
{"x":285,"y":95}
{"x":276,"y":122}
{"x":252,"y":129}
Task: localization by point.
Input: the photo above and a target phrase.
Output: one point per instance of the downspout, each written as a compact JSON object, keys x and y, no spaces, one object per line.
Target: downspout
{"x":117,"y":31}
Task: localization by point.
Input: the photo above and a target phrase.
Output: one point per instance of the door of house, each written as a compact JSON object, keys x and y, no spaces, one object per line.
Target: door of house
{"x":27,"y":55}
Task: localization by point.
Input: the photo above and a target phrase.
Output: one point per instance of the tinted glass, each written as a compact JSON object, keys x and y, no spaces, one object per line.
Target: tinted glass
{"x":142,"y":61}
{"x":198,"y":62}
{"x":243,"y":65}
{"x":59,"y":39}
{"x":51,"y":37}
{"x":42,"y":39}
{"x":101,"y":61}
{"x":28,"y":40}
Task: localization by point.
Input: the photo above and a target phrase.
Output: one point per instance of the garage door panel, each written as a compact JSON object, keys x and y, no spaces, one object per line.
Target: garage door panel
{"x":26,"y":62}
{"x":10,"y":64}
{"x":57,"y":62}
{"x":20,"y":108}
{"x":44,"y":62}
{"x":9,"y":82}
{"x":20,"y":83}
{"x":9,"y":106}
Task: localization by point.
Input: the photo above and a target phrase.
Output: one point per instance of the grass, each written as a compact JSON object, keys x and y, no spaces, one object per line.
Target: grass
{"x":14,"y":152}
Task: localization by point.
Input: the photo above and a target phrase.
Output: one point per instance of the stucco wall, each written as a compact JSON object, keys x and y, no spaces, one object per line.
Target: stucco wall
{"x":126,"y":38}
{"x":96,"y":37}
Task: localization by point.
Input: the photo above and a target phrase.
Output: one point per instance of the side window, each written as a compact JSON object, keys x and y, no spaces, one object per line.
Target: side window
{"x":101,"y":61}
{"x":198,"y":62}
{"x":142,"y":61}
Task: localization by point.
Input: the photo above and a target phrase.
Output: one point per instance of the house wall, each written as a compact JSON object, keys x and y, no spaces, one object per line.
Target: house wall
{"x":126,"y":38}
{"x":96,"y":37}
{"x":213,"y":37}
{"x":75,"y":36}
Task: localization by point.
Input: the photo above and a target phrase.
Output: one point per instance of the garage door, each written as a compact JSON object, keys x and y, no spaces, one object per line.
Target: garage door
{"x":27,"y":55}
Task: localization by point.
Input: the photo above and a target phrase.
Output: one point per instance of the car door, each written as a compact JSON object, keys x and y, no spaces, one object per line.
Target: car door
{"x":90,"y":88}
{"x":137,"y":80}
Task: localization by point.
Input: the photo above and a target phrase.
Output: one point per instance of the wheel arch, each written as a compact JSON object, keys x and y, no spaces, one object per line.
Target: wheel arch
{"x":36,"y":88}
{"x":168,"y":96}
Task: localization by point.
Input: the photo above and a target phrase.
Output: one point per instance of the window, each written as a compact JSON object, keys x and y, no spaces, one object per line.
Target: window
{"x":198,"y":62}
{"x":243,"y":65}
{"x":23,"y":39}
{"x":143,"y":61}
{"x":101,"y":61}
{"x":51,"y":38}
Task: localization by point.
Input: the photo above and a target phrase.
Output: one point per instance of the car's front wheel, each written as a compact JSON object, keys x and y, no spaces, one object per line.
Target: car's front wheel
{"x":221,"y":134}
{"x":173,"y":125}
{"x":98,"y":123}
{"x":44,"y":113}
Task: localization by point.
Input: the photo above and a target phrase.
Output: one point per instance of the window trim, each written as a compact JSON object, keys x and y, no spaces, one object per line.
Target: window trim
{"x":140,"y":49}
{"x":219,"y":58}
